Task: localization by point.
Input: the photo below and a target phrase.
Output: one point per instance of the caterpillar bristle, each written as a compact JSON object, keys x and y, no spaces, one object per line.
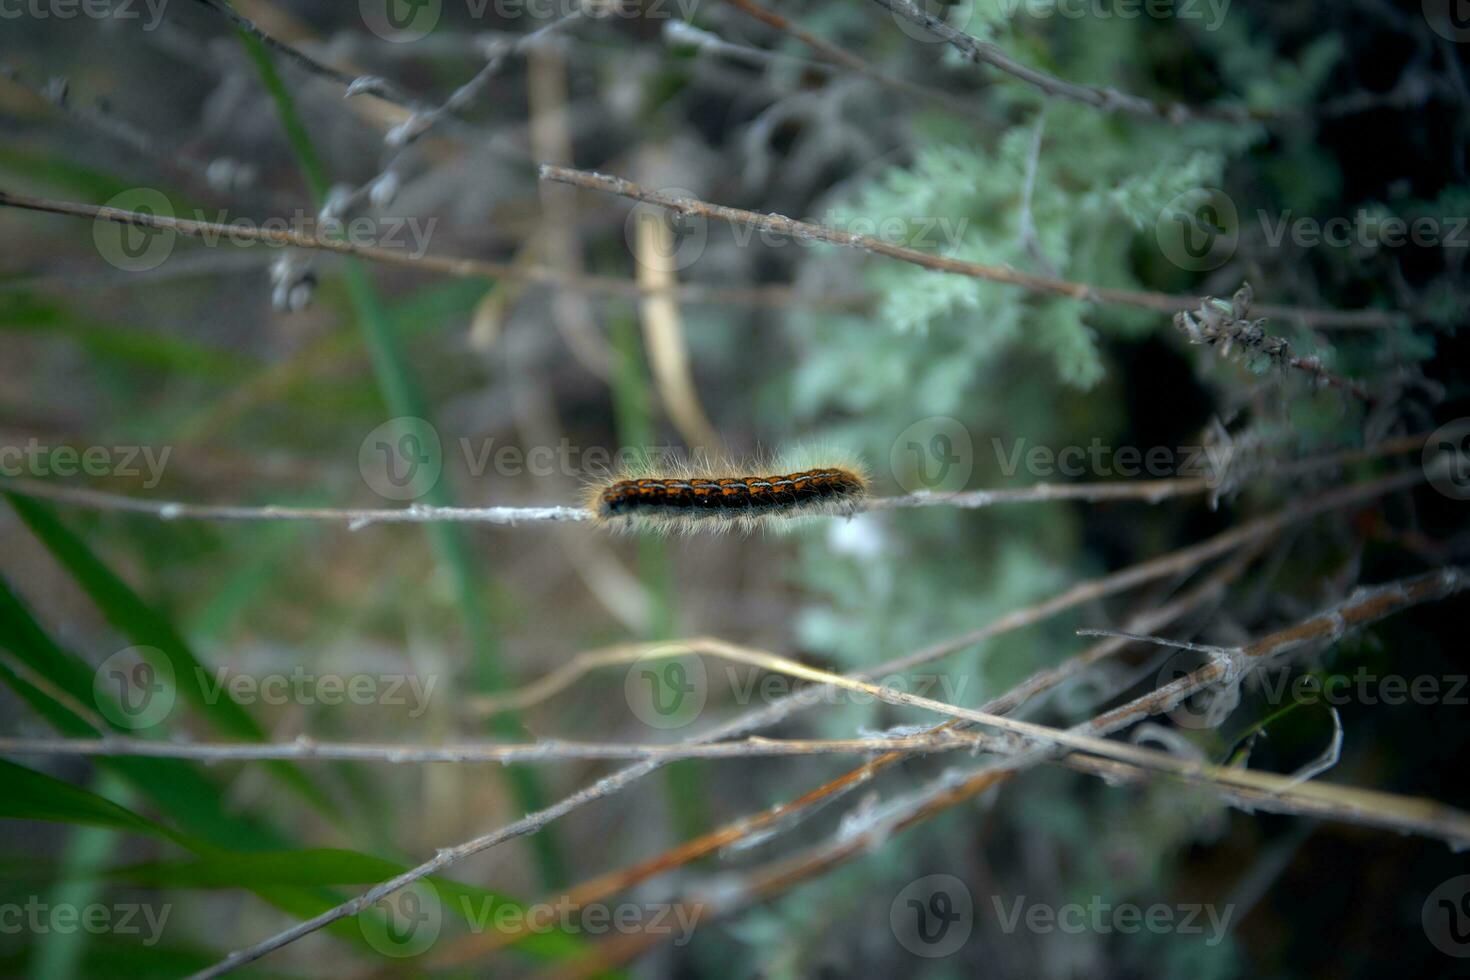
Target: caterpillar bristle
{"x":688,"y":497}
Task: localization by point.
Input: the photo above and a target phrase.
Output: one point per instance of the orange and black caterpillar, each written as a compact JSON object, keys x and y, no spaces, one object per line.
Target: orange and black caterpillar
{"x":689,"y":497}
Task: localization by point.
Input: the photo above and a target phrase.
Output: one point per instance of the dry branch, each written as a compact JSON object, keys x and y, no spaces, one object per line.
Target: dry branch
{"x":592,"y":285}
{"x":841,"y":57}
{"x":1082,"y":292}
{"x":546,"y":750}
{"x":1106,"y":99}
{"x":1144,"y":491}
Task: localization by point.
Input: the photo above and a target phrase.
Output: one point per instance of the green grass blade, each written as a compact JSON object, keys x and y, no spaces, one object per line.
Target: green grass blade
{"x":131,"y":616}
{"x":32,"y":795}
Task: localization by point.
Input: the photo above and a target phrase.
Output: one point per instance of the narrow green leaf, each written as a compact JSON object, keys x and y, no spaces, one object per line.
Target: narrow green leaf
{"x":134,"y":618}
{"x":32,"y":795}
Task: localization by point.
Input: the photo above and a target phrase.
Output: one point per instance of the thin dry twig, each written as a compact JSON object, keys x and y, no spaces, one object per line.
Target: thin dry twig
{"x":107,"y":122}
{"x":557,"y":237}
{"x":382,"y":89}
{"x":423,"y":120}
{"x":1083,"y":292}
{"x":356,"y":518}
{"x":841,"y":57}
{"x":593,"y":285}
{"x":665,"y":345}
{"x":546,"y":750}
{"x":1106,"y":99}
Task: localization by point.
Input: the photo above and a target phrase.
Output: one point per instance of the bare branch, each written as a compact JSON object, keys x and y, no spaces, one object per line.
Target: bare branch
{"x":1107,"y":99}
{"x":424,"y":119}
{"x":772,"y":296}
{"x":356,"y":518}
{"x":840,"y":57}
{"x":805,"y":231}
{"x":548,"y":750}
{"x":348,"y":80}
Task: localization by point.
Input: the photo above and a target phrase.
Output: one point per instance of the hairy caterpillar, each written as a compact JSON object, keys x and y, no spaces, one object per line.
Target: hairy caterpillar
{"x":684,"y":497}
